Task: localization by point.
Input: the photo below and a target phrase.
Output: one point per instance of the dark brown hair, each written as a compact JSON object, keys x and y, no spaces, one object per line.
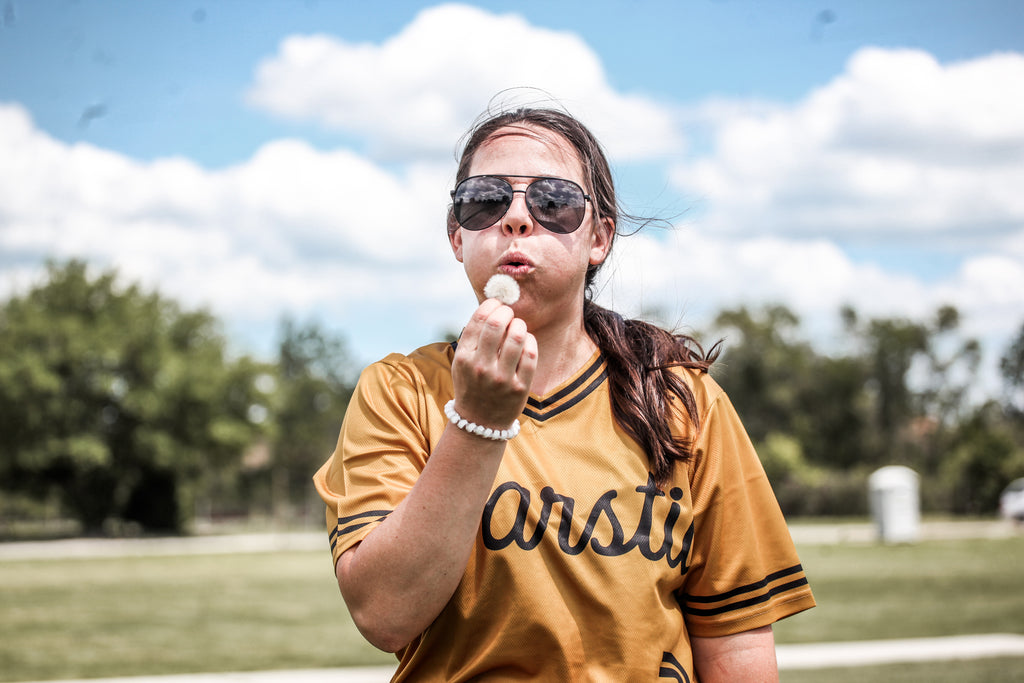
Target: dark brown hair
{"x":639,"y":356}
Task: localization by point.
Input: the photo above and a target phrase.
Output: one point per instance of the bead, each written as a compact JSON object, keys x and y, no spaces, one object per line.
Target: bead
{"x":479,"y":430}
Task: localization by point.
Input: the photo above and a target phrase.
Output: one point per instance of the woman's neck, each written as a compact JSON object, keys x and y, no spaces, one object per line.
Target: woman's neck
{"x":561,"y":352}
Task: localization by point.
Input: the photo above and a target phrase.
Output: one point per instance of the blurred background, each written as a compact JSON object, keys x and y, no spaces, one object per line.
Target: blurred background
{"x":213,"y":214}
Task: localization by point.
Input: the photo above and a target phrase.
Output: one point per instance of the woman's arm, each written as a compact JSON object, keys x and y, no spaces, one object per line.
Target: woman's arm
{"x":399,"y":578}
{"x":748,"y":656}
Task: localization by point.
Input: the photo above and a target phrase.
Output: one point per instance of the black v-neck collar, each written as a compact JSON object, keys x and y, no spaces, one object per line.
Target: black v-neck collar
{"x":568,"y":395}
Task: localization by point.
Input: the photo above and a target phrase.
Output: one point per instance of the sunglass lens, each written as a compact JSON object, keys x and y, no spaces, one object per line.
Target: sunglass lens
{"x":480,"y":201}
{"x":558,"y":205}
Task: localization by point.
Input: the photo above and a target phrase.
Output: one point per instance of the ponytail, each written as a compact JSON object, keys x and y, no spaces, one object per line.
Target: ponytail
{"x":639,"y":358}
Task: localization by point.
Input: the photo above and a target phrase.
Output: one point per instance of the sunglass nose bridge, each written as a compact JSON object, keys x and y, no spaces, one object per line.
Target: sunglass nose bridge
{"x":518,"y":218}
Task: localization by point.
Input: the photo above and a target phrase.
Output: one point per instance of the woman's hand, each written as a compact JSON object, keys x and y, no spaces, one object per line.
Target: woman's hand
{"x":493,"y":366}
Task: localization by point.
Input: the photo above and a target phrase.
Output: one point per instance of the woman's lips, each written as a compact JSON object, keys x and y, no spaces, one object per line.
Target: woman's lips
{"x":514,"y":269}
{"x":515,"y":263}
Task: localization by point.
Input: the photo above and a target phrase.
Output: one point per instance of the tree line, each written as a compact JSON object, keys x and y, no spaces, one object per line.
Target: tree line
{"x":901,"y":392}
{"x":120,"y":409}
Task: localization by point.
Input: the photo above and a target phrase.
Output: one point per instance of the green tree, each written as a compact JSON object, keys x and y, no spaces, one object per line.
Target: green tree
{"x":761,"y":366}
{"x":781,"y":386}
{"x":892,"y":345}
{"x":1011,"y":366}
{"x":115,"y":401}
{"x":951,"y":367}
{"x":833,"y":415}
{"x":983,"y":458}
{"x":314,"y":383}
{"x":918,"y":375}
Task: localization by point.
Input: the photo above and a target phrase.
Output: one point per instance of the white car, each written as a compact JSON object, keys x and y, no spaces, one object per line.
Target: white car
{"x":1011,"y":502}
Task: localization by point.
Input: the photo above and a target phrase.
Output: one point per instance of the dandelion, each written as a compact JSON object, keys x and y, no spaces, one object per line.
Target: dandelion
{"x":502,"y":287}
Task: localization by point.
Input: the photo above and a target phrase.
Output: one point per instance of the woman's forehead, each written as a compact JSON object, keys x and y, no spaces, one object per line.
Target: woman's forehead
{"x":540,"y":145}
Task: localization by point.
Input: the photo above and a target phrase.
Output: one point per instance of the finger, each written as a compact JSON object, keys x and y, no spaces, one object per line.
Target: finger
{"x":512,"y":346}
{"x":527,"y":361}
{"x":470,"y":336}
{"x":493,"y":332}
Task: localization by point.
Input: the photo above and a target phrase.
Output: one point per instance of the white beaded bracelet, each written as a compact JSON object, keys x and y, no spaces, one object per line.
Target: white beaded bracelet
{"x":473,"y":428}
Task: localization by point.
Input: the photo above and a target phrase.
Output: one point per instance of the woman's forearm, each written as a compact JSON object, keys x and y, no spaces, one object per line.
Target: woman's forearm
{"x":400,"y":577}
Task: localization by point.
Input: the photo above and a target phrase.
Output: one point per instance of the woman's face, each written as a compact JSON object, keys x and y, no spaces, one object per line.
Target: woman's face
{"x":549,"y":267}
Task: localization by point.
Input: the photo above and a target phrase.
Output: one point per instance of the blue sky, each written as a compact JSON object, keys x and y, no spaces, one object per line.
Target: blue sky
{"x":294,"y":156}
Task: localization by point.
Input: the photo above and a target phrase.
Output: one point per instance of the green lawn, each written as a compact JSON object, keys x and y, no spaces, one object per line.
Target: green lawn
{"x":112,"y":617}
{"x":938,"y":588}
{"x":151,"y":615}
{"x":868,"y":592}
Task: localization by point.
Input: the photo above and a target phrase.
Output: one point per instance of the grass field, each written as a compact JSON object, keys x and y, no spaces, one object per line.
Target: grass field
{"x":152,"y":615}
{"x":938,"y":588}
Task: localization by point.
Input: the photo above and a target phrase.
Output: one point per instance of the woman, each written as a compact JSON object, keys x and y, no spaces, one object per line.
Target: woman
{"x":625,"y":532}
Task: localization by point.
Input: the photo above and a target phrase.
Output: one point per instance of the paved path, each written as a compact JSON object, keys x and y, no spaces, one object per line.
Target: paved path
{"x":370,"y":674}
{"x":811,"y":534}
{"x":812,"y":656}
{"x":866,"y":652}
{"x":931,"y":530}
{"x":172,"y":545}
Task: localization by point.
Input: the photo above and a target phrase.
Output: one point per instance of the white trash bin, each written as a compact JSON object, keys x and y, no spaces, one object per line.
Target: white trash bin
{"x":894,"y":496}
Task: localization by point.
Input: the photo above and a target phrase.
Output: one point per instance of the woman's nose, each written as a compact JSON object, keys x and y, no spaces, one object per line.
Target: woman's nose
{"x":517,"y":220}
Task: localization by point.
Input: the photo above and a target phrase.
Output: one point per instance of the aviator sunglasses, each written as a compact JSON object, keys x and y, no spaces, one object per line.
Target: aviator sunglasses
{"x":481,"y":200}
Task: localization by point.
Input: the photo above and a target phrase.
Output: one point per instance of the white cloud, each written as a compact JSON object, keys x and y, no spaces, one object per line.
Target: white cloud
{"x":416,"y":92}
{"x":898,"y":150}
{"x":290,"y":229}
{"x":899,"y":147}
{"x":362,"y":244}
{"x":690,"y":276}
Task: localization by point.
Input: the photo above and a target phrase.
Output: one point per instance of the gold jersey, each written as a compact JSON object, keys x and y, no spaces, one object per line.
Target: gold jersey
{"x":583,"y":568}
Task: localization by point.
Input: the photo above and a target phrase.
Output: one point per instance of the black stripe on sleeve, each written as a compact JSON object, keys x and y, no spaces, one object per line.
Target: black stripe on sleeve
{"x":362,"y":519}
{"x":363,"y":515}
{"x":749,"y":588}
{"x":765,"y":597}
{"x":746,"y":603}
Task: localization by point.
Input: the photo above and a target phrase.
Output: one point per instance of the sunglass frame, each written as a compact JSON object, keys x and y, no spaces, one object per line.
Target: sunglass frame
{"x":529,"y":205}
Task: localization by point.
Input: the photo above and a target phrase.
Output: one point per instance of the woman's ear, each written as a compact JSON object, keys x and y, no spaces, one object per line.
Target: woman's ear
{"x":455,"y":236}
{"x":455,"y":239}
{"x":601,"y":240}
